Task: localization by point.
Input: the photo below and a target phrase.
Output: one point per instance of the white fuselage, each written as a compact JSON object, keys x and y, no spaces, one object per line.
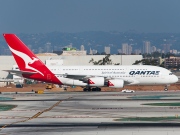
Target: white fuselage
{"x":133,"y":74}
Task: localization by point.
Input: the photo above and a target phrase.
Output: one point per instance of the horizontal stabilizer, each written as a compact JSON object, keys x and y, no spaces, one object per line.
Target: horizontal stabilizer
{"x":19,"y":72}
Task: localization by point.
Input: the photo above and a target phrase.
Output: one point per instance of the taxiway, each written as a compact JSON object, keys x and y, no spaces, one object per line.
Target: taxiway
{"x":91,"y":113}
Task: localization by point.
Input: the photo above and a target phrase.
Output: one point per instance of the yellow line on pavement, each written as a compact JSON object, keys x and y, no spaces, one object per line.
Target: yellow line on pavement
{"x":34,"y":116}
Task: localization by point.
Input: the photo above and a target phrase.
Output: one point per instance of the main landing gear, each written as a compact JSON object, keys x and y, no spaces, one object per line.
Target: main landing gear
{"x":93,"y":89}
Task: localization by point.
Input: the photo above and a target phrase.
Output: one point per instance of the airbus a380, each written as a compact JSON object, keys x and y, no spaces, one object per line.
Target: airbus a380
{"x":86,"y":76}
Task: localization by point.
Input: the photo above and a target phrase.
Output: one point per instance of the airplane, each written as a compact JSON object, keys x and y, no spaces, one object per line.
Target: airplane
{"x":88,"y":77}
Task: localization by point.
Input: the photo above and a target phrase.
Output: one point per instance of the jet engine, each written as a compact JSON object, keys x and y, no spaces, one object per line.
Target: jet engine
{"x":96,"y":81}
{"x":115,"y":83}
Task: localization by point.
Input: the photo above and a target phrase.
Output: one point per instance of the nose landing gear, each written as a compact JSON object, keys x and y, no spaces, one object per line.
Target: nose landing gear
{"x":166,"y":88}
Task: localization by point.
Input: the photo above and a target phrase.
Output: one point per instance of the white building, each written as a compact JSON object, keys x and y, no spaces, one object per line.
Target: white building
{"x":126,"y":49}
{"x":107,"y":50}
{"x":7,"y":62}
{"x":82,"y":47}
{"x":147,"y":47}
{"x":74,"y":52}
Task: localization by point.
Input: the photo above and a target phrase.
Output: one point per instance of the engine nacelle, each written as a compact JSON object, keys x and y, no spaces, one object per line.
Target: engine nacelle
{"x":67,"y":81}
{"x":96,"y":81}
{"x":115,"y":83}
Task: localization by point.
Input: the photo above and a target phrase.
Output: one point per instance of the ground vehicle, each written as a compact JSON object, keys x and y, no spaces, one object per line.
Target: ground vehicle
{"x":49,"y":86}
{"x":127,"y":91}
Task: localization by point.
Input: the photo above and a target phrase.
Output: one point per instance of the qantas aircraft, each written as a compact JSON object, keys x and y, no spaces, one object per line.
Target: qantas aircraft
{"x":30,"y":66}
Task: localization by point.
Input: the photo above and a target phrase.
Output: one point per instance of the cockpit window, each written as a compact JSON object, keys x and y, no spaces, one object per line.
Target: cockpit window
{"x":170,"y":73}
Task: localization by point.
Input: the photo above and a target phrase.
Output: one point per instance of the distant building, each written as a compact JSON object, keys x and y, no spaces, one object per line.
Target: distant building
{"x":48,"y":47}
{"x":172,"y":62}
{"x":166,"y":48}
{"x":126,"y":49}
{"x":159,"y":50}
{"x":129,"y":49}
{"x":174,"y":51}
{"x":94,"y":51}
{"x":137,"y":51}
{"x":107,"y":49}
{"x":90,"y":52}
{"x":153,"y":49}
{"x":147,"y":47}
{"x":82,"y":47}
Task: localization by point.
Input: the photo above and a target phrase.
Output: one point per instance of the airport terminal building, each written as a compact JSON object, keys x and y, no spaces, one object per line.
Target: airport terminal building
{"x":7,"y":62}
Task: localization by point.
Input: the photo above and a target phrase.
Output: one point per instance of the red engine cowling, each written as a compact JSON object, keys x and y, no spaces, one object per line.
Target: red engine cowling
{"x":96,"y":81}
{"x":115,"y":83}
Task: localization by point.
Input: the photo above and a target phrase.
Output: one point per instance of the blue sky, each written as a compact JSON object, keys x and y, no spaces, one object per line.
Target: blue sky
{"x":37,"y":16}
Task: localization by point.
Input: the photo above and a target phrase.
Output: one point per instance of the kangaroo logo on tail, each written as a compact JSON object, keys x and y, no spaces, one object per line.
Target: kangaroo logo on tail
{"x":27,"y":60}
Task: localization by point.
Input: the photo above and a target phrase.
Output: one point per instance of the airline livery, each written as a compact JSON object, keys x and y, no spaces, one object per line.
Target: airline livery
{"x":30,"y":66}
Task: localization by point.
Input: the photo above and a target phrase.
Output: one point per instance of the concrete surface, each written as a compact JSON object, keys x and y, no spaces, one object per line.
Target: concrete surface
{"x":90,"y":113}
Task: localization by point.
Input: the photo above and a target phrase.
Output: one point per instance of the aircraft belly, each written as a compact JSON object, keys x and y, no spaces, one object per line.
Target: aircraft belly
{"x":68,"y":81}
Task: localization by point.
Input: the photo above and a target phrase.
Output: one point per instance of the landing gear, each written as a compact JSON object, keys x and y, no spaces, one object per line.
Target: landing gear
{"x":96,"y":89}
{"x":93,"y":89}
{"x":166,"y":88}
{"x":87,"y":89}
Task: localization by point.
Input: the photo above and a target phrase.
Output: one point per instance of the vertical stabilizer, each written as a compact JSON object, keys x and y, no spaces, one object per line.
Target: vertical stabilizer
{"x":30,"y":65}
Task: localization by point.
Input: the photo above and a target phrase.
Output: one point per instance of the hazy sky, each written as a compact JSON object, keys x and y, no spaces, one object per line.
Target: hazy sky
{"x":34,"y":16}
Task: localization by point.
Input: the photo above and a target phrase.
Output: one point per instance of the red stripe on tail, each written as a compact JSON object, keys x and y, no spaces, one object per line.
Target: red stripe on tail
{"x":28,"y":61}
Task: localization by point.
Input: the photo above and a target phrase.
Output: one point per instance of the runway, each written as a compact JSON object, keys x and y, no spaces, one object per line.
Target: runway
{"x":91,"y":113}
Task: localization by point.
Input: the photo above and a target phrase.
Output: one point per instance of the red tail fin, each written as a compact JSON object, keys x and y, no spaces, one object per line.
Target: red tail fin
{"x":28,"y":61}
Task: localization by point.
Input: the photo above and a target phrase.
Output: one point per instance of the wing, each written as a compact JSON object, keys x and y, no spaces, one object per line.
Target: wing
{"x":6,"y":80}
{"x":18,"y":72}
{"x":70,"y":76}
{"x":85,"y":77}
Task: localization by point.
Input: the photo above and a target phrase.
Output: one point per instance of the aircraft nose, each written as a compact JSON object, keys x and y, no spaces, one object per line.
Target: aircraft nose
{"x":175,"y":79}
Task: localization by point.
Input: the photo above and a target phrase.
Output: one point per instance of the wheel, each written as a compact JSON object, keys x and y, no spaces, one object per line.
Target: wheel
{"x":89,"y":90}
{"x":165,"y":89}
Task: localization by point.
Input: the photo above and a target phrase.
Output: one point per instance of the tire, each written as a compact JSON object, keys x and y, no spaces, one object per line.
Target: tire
{"x":165,"y":89}
{"x":88,"y":89}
